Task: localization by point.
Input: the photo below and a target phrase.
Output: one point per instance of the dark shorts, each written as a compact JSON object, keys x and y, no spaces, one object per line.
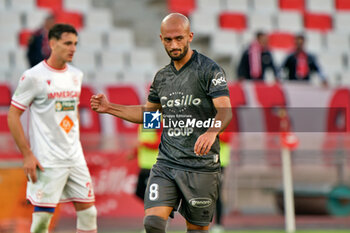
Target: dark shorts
{"x":194,"y":194}
{"x":142,"y":183}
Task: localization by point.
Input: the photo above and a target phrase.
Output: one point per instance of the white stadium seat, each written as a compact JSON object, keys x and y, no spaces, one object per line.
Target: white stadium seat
{"x":224,"y":43}
{"x":77,"y":5}
{"x":204,"y":22}
{"x":8,"y":39}
{"x":337,"y":41}
{"x":260,"y":21}
{"x":341,"y":21}
{"x":143,"y":60}
{"x":23,"y":5}
{"x":85,"y":59}
{"x":20,"y":58}
{"x":314,"y":41}
{"x":289,"y":21}
{"x":34,"y":19}
{"x":238,"y":5}
{"x":91,"y":39}
{"x":121,"y":39}
{"x":98,"y":19}
{"x":266,"y":6}
{"x":320,"y":6}
{"x":210,"y":5}
{"x":113,"y":60}
{"x":10,"y":20}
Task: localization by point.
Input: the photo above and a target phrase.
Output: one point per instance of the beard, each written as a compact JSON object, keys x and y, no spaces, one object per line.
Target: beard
{"x":180,"y":56}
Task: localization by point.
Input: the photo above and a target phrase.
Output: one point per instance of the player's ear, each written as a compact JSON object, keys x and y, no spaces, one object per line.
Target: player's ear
{"x":190,"y":37}
{"x":52,"y":43}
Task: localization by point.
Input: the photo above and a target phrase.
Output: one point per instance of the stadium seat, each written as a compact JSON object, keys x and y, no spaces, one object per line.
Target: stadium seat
{"x":121,"y":39}
{"x":289,"y":21}
{"x":91,"y":39}
{"x":34,"y":19}
{"x":204,"y":22}
{"x":10,"y":20}
{"x":279,"y":57}
{"x":73,"y":18}
{"x":342,"y":5}
{"x":98,"y":19}
{"x":5,"y":101}
{"x":85,"y":59}
{"x":143,"y":59}
{"x":292,"y":5}
{"x":332,"y":63}
{"x":209,"y":5}
{"x":113,"y":60}
{"x":54,"y":5}
{"x":8,"y":39}
{"x":5,"y":64}
{"x":125,"y":95}
{"x":316,"y":21}
{"x":3,"y":5}
{"x":242,"y":6}
{"x":103,"y":77}
{"x":341,"y":21}
{"x":233,"y":21}
{"x":224,"y":43}
{"x":260,"y":21}
{"x":24,"y":36}
{"x":237,"y":99}
{"x":77,"y":5}
{"x":337,"y":41}
{"x":185,"y":7}
{"x":266,"y":6}
{"x":20,"y":58}
{"x":320,"y":6}
{"x":281,"y":41}
{"x":89,"y":119}
{"x":23,"y":5}
{"x":314,"y":41}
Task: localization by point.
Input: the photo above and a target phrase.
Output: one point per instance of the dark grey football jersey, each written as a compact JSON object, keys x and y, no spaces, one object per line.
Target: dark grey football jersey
{"x":188,"y":111}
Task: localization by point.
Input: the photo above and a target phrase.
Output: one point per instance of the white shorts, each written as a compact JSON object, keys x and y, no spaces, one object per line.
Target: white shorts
{"x":62,"y":184}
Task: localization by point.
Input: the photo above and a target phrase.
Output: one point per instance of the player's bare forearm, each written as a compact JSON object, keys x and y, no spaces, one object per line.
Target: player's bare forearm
{"x":224,"y":116}
{"x":16,"y":129}
{"x":132,"y":113}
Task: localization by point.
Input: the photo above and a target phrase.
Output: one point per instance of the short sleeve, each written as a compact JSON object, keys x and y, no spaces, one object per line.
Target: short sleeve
{"x":153,"y":94}
{"x":25,"y":92}
{"x":217,"y":85}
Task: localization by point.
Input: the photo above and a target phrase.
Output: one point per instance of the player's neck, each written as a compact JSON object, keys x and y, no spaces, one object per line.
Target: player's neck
{"x":56,"y":63}
{"x":179,"y":64}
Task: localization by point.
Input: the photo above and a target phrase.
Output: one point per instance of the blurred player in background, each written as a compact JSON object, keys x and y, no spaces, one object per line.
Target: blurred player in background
{"x":300,"y":64}
{"x":256,"y":60}
{"x":54,"y":162}
{"x":38,"y":45}
{"x":188,"y":164}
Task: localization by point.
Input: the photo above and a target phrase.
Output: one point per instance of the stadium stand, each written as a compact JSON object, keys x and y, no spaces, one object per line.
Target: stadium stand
{"x":233,"y":21}
{"x":183,"y":6}
{"x":292,"y":5}
{"x":5,"y":100}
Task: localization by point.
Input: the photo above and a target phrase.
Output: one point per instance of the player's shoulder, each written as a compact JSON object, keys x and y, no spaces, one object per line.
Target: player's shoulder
{"x":74,"y":69}
{"x":35,"y":71}
{"x":204,"y":61}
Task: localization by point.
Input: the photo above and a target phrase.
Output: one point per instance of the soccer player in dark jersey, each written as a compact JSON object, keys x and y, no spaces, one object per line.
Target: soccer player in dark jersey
{"x":192,"y":94}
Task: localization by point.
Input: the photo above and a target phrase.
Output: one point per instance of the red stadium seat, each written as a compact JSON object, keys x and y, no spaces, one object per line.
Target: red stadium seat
{"x":125,"y":95}
{"x":343,"y":5}
{"x":73,"y":18}
{"x":5,"y":101}
{"x":24,"y":36}
{"x":94,"y":125}
{"x":320,"y":22}
{"x":295,"y":5}
{"x":237,"y":99}
{"x":281,"y":41}
{"x":182,"y":6}
{"x":54,"y":5}
{"x":235,"y":21}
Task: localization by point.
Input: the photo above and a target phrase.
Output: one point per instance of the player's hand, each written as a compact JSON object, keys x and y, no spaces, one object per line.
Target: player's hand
{"x":99,"y":103}
{"x":204,"y":143}
{"x":30,"y":163}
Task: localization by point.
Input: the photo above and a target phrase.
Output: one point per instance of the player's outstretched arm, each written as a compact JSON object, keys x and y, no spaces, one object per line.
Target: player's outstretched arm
{"x":224,"y":114}
{"x":30,"y":162}
{"x":132,"y":113}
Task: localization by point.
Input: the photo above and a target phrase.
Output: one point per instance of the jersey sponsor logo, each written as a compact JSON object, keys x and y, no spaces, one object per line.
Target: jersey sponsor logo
{"x":179,"y":100}
{"x":219,"y":79}
{"x":63,"y":94}
{"x":68,"y":105}
{"x":200,"y":202}
{"x":67,"y":124}
{"x":151,"y":120}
